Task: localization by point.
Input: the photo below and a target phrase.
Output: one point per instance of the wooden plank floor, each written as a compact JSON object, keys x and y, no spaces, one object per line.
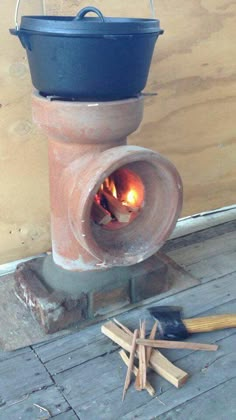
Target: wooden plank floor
{"x":81,"y":375}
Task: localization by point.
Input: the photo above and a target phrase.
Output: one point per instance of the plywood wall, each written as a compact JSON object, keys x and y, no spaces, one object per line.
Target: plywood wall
{"x":192,"y":120}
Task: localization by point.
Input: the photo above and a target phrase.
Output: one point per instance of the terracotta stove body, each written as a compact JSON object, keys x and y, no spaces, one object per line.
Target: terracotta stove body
{"x":95,"y":268}
{"x":87,"y":143}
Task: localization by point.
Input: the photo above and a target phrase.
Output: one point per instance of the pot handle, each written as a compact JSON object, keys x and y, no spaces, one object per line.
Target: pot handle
{"x":88,"y":9}
{"x":23,"y":39}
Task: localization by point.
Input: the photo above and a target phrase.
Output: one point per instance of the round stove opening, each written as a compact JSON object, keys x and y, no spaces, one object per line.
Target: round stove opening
{"x":119,"y":200}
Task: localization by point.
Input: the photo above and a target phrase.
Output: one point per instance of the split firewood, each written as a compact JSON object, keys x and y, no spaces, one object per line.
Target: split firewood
{"x":122,"y":354}
{"x":141,"y":378}
{"x":149,"y":388}
{"x":151,"y":337}
{"x":148,"y":355}
{"x":159,"y":363}
{"x":123,"y":327}
{"x":142,"y":357}
{"x":100,"y":215}
{"x":137,"y":383}
{"x":131,"y":208}
{"x":116,"y":208}
{"x":127,"y":330}
{"x":131,"y":363}
{"x":164,"y":344}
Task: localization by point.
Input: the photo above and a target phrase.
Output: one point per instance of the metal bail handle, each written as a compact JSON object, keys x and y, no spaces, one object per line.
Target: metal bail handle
{"x":17,"y":11}
{"x":152,"y":7}
{"x":88,"y":9}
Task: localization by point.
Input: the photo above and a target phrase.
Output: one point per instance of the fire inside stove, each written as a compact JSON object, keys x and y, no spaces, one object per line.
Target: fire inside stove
{"x":119,"y":199}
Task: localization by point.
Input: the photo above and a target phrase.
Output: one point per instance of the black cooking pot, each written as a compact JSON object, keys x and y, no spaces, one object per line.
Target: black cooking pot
{"x":88,"y":58}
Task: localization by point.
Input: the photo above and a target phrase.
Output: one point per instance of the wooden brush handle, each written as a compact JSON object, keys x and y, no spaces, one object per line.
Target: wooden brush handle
{"x":210,"y":323}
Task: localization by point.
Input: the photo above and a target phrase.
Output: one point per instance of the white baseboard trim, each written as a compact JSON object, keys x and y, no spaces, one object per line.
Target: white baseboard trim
{"x":203,"y":221}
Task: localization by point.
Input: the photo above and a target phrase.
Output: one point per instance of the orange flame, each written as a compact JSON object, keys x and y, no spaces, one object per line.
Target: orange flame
{"x":113,"y":189}
{"x":132,"y":197}
{"x":109,"y":185}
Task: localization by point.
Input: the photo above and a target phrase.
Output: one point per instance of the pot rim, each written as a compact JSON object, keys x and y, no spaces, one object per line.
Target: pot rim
{"x":68,"y":25}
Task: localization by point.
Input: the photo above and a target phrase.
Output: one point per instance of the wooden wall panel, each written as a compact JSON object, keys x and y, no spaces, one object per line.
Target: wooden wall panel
{"x":191,"y":120}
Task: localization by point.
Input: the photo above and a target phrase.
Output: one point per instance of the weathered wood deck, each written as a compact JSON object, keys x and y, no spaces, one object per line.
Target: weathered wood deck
{"x":81,"y":375}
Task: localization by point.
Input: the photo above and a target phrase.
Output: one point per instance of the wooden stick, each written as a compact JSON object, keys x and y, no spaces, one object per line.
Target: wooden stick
{"x":137,"y":383}
{"x":141,"y":378}
{"x":123,"y":327}
{"x":149,"y":388}
{"x":158,"y":362}
{"x":131,"y":363}
{"x":142,"y":358}
{"x":151,"y":337}
{"x":148,"y":353}
{"x":165,"y":344}
{"x":120,"y":212}
{"x":100,"y":215}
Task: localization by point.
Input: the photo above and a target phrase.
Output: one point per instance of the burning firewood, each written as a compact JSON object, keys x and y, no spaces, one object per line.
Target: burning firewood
{"x":131,"y":209}
{"x":100,"y":215}
{"x":120,"y":212}
{"x":121,"y":194}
